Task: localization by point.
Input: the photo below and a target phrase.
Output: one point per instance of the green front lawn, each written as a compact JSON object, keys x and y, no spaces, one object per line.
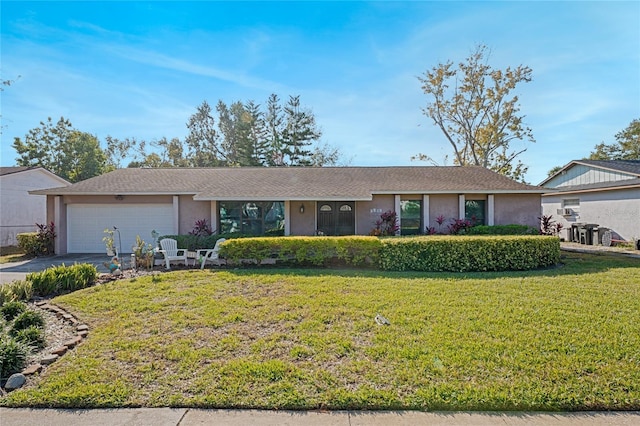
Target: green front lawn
{"x":560,"y":339}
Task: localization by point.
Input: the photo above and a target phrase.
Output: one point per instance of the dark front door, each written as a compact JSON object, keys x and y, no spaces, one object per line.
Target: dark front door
{"x":336,"y":217}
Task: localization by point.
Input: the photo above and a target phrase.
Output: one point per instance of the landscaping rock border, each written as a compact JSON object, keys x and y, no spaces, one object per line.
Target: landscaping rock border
{"x":81,"y":330}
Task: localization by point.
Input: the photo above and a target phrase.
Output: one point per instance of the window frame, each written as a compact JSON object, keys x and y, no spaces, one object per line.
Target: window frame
{"x":250,"y":217}
{"x":404,"y":219}
{"x":482,"y":208}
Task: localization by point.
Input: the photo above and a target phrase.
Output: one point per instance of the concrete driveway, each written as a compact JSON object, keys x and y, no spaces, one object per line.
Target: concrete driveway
{"x":19,"y":270}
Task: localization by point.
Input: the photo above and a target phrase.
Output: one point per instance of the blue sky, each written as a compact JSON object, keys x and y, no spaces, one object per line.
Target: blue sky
{"x":140,"y":69}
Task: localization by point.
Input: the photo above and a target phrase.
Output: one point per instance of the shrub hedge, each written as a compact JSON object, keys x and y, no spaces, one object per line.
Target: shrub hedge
{"x":62,"y":279}
{"x":502,"y":230}
{"x":442,"y":253}
{"x":469,"y":253}
{"x":316,"y":251}
{"x":29,"y":243}
{"x":196,"y":242}
{"x":426,"y":253}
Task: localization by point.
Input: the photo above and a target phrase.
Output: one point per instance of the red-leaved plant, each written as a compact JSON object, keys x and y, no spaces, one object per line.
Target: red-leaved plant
{"x":201,"y":228}
{"x":387,"y":225}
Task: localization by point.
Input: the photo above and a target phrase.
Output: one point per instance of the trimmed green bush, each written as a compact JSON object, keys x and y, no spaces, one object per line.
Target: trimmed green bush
{"x":40,"y":243}
{"x":11,"y":310}
{"x":32,"y":336}
{"x":317,"y":251}
{"x":25,"y":320}
{"x":29,"y":243}
{"x":469,"y":253}
{"x":432,"y":253}
{"x":13,"y":356}
{"x":63,"y":279}
{"x":196,"y":242}
{"x":502,"y":230}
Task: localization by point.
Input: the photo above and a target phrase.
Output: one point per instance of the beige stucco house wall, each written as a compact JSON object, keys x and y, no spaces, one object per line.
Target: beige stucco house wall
{"x":517,"y":208}
{"x":170,"y":201}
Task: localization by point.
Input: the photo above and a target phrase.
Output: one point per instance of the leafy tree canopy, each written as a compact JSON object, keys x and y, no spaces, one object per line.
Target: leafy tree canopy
{"x":626,"y":147}
{"x":236,"y":135}
{"x":63,"y":150}
{"x":474,"y":107}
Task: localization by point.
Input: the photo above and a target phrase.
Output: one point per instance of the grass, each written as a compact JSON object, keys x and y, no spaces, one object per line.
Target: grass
{"x":11,"y":254}
{"x":560,"y":339}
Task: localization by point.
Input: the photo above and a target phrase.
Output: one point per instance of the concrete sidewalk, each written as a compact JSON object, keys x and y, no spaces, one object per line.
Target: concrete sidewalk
{"x":189,"y":417}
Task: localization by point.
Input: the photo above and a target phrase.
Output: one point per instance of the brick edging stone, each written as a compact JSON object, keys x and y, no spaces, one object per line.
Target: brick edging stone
{"x":18,"y":380}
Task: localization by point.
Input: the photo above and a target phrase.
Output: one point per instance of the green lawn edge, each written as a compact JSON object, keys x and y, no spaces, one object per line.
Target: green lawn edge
{"x":561,"y":339}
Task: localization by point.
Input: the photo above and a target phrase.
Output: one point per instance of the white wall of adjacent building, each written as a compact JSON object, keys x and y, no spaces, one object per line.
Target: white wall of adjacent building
{"x":618,"y":210}
{"x":20,"y":211}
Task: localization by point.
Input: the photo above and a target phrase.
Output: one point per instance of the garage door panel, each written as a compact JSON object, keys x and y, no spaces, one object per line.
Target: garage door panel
{"x":86,"y":224}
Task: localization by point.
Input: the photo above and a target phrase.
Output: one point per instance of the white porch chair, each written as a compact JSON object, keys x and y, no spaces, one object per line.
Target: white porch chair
{"x":171,"y":252}
{"x":211,"y":255}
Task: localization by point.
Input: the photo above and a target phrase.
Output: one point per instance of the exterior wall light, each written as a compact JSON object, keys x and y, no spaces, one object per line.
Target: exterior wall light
{"x":301,"y":208}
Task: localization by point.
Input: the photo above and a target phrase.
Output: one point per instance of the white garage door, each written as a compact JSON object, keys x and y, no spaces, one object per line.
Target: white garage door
{"x":86,"y":224}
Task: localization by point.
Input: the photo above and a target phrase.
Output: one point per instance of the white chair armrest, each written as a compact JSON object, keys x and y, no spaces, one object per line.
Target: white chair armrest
{"x":203,"y":255}
{"x":203,"y":252}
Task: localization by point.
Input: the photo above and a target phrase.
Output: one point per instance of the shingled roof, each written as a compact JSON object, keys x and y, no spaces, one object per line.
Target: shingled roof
{"x":627,"y":166}
{"x":630,"y":168}
{"x":15,"y":169}
{"x":296,"y":183}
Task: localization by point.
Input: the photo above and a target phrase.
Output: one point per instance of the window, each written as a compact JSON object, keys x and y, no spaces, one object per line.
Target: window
{"x":410,"y":217}
{"x":571,"y":203}
{"x":253,"y":218}
{"x":474,"y":211}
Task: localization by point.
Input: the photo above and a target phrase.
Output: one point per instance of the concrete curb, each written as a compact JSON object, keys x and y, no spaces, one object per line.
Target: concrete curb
{"x":191,"y":417}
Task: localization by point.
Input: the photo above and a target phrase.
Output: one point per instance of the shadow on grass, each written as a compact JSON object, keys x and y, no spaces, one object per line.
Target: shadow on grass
{"x":571,"y":263}
{"x":12,"y":254}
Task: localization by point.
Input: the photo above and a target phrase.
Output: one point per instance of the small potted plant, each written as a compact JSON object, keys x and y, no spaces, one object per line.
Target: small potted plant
{"x":109,"y":242}
{"x":144,"y":253}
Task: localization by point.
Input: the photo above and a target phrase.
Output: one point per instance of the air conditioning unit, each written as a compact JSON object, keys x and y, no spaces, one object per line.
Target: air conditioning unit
{"x":567,"y":212}
{"x":559,"y":211}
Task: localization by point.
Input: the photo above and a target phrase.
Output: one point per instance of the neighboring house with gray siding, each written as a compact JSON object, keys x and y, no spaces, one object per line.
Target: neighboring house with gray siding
{"x":281,"y":201}
{"x":606,"y":193}
{"x":19,"y":210}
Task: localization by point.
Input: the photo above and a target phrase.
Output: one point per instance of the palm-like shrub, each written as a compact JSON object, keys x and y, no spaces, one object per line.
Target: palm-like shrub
{"x":13,"y":356}
{"x":10,"y":310}
{"x":27,"y":319}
